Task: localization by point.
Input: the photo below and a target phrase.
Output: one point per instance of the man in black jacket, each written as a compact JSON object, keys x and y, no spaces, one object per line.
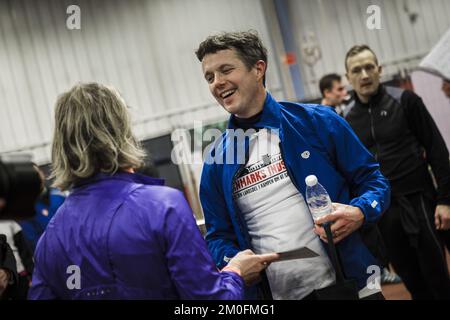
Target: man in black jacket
{"x":396,"y":127}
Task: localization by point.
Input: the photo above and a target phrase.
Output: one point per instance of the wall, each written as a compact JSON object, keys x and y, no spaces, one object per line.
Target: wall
{"x":144,"y":48}
{"x":337,"y":25}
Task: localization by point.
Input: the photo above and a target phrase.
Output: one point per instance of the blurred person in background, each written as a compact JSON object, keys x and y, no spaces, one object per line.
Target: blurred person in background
{"x":20,"y":186}
{"x":397,"y":128}
{"x":446,"y":87}
{"x":333,"y":92}
{"x":446,"y":90}
{"x":22,"y":255}
{"x":123,"y":235}
{"x":8,"y":268}
{"x":46,"y":206}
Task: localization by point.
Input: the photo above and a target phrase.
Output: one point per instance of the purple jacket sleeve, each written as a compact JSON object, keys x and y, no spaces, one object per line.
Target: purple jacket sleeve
{"x":191,"y":266}
{"x":39,"y":288}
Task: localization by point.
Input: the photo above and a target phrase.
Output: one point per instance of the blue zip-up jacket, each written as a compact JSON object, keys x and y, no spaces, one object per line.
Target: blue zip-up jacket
{"x":336,"y":156}
{"x":34,"y":227}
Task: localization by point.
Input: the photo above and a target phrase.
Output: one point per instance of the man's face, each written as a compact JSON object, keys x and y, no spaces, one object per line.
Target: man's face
{"x":446,"y":87}
{"x":363,"y":73}
{"x":336,"y":95}
{"x":235,"y":87}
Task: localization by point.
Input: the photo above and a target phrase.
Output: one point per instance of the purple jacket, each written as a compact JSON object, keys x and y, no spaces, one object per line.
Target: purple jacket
{"x":130,"y":238}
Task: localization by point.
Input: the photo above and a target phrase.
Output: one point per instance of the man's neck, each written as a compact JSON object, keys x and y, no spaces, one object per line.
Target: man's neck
{"x":366,"y":99}
{"x":363,"y":99}
{"x":257,"y":106}
{"x":326,"y":102}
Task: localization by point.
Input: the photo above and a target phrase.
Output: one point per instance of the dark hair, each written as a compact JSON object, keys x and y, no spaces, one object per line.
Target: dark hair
{"x":247,"y":44}
{"x":326,"y":82}
{"x":358,"y":49}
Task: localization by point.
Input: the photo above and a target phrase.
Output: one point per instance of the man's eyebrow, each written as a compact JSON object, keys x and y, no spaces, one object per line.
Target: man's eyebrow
{"x":225,"y":65}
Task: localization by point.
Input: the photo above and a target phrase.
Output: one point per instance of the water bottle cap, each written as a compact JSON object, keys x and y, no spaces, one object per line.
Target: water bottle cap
{"x":311,"y":180}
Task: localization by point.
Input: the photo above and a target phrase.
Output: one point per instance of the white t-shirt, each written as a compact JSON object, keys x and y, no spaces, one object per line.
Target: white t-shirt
{"x":278,"y":220}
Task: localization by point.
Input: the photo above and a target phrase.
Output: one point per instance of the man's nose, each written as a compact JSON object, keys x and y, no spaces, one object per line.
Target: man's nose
{"x":219,"y":80}
{"x":364,"y":74}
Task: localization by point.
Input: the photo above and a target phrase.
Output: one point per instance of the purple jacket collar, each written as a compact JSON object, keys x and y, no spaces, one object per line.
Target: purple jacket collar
{"x":120,"y":175}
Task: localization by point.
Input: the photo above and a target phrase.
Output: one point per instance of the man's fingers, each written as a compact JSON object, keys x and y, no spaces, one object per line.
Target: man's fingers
{"x":324,"y":239}
{"x":445,"y":224}
{"x":337,"y":239}
{"x":336,"y":206}
{"x":330,"y":217}
{"x":319,"y":231}
{"x":338,"y":225}
{"x":437,"y":221}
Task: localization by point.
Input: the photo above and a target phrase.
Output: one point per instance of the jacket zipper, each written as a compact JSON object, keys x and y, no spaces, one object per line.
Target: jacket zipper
{"x":372,"y":131}
{"x":288,"y":169}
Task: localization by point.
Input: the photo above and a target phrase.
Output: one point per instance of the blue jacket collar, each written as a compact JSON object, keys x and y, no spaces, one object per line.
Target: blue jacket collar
{"x":270,"y":117}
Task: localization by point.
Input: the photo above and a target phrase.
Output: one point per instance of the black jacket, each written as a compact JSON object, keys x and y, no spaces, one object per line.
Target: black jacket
{"x":8,"y":262}
{"x":398,"y":129}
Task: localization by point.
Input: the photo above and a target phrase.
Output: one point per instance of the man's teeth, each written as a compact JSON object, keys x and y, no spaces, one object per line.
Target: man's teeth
{"x":227,"y":93}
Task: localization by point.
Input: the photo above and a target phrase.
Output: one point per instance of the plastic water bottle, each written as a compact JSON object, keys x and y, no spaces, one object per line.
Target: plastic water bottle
{"x":317,"y":197}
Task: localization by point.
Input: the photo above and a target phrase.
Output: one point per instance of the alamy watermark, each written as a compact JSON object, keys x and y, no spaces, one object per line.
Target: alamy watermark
{"x":374,"y":20}
{"x":74,"y":278}
{"x":73,"y":21}
{"x":374,"y":280}
{"x":228,"y":147}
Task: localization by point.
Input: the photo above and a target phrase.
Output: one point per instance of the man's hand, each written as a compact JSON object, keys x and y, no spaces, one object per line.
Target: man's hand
{"x":346,"y":220}
{"x":442,"y":217}
{"x":4,"y":280}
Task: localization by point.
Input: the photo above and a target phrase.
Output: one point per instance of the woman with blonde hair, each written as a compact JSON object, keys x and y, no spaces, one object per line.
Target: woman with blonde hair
{"x":121,"y":235}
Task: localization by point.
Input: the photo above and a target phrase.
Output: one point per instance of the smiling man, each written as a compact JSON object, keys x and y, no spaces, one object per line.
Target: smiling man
{"x":395,"y":125}
{"x":260,"y":204}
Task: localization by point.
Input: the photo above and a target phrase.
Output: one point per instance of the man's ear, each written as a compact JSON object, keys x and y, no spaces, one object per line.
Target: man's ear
{"x":380,"y":69}
{"x":260,"y":67}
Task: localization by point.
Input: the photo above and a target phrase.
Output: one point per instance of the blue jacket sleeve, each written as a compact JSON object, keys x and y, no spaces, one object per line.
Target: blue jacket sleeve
{"x":370,"y":188}
{"x":191,"y":267}
{"x":220,"y":237}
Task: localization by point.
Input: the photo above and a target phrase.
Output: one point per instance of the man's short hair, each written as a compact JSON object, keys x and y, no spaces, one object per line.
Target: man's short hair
{"x":247,"y":44}
{"x":356,"y":50}
{"x":326,"y":82}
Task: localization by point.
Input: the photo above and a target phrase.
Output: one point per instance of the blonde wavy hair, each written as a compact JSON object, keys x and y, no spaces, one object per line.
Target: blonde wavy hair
{"x":92,"y":134}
